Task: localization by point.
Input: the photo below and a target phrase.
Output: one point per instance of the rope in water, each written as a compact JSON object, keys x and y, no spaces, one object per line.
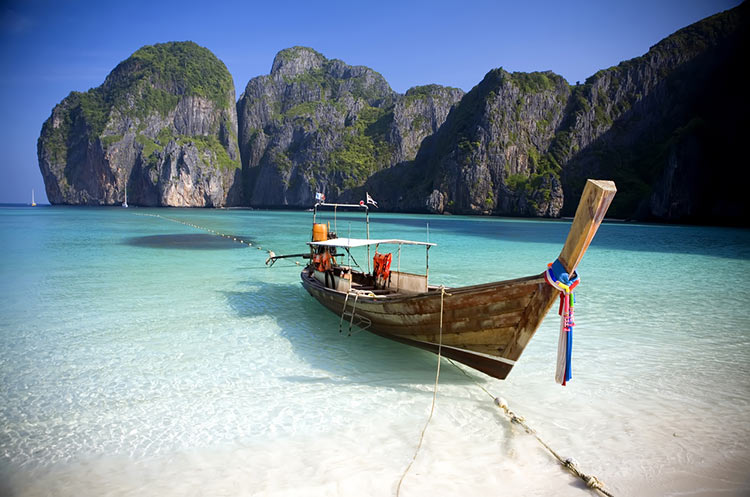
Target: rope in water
{"x":569,"y":463}
{"x":434,"y":394}
{"x":213,"y":232}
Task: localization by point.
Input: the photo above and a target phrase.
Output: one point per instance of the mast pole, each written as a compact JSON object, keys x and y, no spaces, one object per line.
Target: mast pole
{"x":427,"y":264}
{"x":398,"y":282}
{"x":367,"y":218}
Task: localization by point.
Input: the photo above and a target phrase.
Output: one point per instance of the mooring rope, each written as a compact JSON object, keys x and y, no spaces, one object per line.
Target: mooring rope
{"x":569,"y":463}
{"x":434,"y":394}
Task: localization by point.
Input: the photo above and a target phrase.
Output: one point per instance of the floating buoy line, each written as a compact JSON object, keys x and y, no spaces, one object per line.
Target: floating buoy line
{"x":568,"y":463}
{"x":212,"y":232}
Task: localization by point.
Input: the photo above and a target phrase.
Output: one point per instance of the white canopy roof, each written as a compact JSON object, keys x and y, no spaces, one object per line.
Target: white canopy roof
{"x":362,"y":242}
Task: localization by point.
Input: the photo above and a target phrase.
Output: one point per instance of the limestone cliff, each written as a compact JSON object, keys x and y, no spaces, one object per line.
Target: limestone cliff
{"x":319,"y":125}
{"x":668,"y":127}
{"x":665,"y":126}
{"x":418,"y":115}
{"x":162,"y":125}
{"x":489,"y":155}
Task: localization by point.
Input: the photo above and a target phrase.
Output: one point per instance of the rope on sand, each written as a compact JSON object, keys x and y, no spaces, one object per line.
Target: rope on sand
{"x":569,"y":463}
{"x":434,"y":394}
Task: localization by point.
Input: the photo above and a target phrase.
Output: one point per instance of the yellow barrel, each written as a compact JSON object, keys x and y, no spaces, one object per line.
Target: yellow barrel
{"x":320,"y":232}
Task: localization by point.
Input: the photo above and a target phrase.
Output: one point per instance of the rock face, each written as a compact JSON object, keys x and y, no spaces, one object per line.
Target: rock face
{"x":524,"y":143}
{"x":320,"y":125}
{"x":163,"y":125}
{"x":418,"y":115}
{"x":668,"y":127}
{"x":490,"y":154}
{"x":665,"y":127}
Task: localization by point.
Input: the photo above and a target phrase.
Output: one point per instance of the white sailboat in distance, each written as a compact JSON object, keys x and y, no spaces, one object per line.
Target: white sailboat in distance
{"x":33,"y":203}
{"x":125,"y":203}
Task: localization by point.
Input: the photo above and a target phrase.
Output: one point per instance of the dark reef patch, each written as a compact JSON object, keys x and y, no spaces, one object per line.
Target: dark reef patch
{"x":187,"y":241}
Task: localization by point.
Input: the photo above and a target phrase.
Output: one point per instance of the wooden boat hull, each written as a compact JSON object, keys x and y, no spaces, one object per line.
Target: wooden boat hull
{"x":485,"y":326}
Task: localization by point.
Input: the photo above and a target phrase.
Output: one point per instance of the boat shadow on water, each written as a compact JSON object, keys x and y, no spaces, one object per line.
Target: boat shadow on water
{"x":313,"y":333}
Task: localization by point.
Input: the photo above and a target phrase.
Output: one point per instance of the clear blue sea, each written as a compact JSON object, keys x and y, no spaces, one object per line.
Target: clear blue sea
{"x":145,"y":355}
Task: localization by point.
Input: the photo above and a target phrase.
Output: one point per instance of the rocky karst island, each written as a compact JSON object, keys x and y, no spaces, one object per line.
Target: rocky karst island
{"x":163,"y":125}
{"x":166,"y":127}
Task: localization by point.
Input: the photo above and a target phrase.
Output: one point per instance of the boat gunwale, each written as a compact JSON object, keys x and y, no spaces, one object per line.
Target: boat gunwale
{"x":430,"y":294}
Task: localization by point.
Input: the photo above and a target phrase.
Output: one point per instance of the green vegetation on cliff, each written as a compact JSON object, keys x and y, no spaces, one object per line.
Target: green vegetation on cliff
{"x":210,"y":145}
{"x":364,"y":150}
{"x":292,"y":53}
{"x":152,"y":81}
{"x":359,"y":81}
{"x":182,"y":68}
{"x":533,"y":82}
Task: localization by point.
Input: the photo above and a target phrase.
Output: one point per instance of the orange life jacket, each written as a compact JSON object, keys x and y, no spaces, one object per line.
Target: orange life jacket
{"x":323,"y":261}
{"x":327,"y":259}
{"x":382,"y":265}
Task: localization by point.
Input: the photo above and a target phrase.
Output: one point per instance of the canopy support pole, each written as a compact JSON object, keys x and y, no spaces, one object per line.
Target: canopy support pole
{"x":367,"y":218}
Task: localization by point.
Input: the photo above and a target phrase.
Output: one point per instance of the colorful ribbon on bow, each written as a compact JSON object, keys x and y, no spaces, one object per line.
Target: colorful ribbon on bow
{"x":558,"y":277}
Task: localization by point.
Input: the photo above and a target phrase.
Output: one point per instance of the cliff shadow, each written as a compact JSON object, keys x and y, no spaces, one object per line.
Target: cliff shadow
{"x":235,"y":195}
{"x":672,"y":154}
{"x":141,"y":190}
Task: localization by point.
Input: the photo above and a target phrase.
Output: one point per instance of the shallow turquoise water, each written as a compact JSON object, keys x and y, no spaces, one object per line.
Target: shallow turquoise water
{"x":140,"y":355}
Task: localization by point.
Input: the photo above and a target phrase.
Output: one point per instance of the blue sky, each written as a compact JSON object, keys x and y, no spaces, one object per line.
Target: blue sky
{"x":48,"y":49}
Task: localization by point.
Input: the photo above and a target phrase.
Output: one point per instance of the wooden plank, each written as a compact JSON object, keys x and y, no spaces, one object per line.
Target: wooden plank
{"x":452,"y":311}
{"x":459,"y":326}
{"x":490,"y":349}
{"x":595,"y":200}
{"x":538,"y":308}
{"x":500,"y":336}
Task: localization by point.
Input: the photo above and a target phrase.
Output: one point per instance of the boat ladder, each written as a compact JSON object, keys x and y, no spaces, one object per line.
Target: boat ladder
{"x":362,"y":322}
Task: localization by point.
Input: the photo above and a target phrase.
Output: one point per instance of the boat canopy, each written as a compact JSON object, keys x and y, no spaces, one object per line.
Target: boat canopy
{"x":362,"y":242}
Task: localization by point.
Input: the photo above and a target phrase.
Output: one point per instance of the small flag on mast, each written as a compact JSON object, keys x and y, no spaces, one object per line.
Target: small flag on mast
{"x":320,"y":197}
{"x":370,"y":200}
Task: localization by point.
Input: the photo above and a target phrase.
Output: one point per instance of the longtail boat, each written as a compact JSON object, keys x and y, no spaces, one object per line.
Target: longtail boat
{"x":485,"y":326}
